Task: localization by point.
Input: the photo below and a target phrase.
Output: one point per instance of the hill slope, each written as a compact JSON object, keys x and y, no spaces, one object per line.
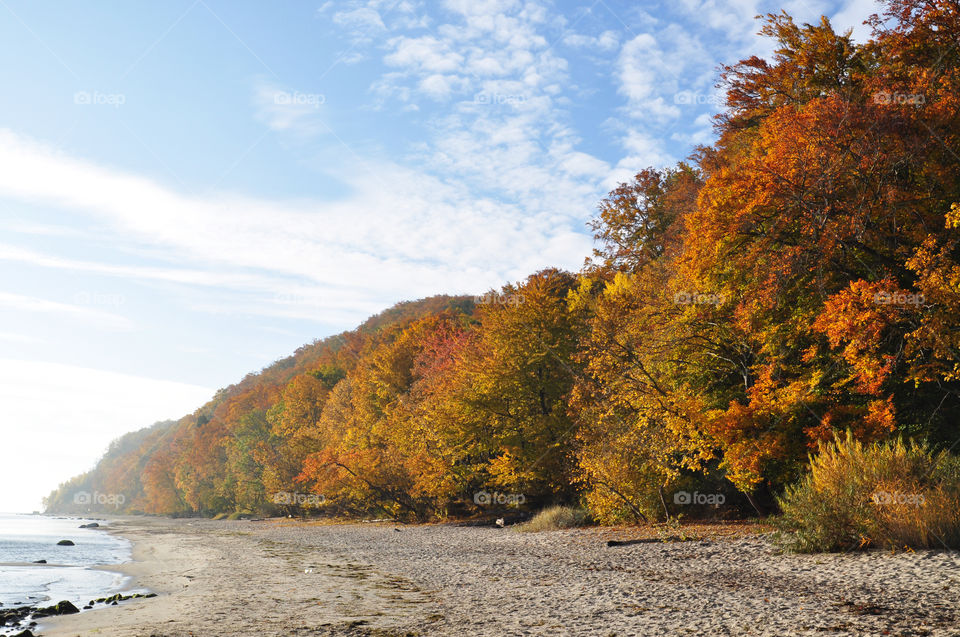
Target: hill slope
{"x":144,"y":471}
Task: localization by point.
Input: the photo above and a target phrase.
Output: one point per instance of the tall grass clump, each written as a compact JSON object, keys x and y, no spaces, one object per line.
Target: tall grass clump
{"x":856,"y":496}
{"x":555,"y":518}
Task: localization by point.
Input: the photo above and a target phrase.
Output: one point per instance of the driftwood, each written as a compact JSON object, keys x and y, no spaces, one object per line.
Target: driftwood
{"x":650,"y":540}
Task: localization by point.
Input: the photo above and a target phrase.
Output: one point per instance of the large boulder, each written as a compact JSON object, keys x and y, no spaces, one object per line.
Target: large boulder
{"x":63,"y":608}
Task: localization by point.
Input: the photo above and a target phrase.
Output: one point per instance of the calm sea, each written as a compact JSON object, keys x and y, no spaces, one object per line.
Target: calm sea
{"x":68,"y":573}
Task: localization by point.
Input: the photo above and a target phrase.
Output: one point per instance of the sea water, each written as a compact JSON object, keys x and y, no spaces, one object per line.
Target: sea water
{"x":69,"y":573}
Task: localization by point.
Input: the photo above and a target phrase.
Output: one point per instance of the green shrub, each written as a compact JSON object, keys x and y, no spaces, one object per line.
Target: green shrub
{"x":555,"y":518}
{"x":856,"y":496}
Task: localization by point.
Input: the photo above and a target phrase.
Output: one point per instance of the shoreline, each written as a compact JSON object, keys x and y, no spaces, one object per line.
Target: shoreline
{"x":62,"y":580}
{"x":277,"y":577}
{"x":142,"y":563}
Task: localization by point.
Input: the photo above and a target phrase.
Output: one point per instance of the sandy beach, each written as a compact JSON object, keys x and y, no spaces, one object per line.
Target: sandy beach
{"x":282,"y":578}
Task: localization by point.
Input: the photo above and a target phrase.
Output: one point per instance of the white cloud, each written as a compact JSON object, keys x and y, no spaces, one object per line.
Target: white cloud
{"x":438,"y":86}
{"x":60,"y":418}
{"x":649,"y":75}
{"x":482,"y":41}
{"x":605,"y":42}
{"x":33,"y":305}
{"x":23,"y":339}
{"x":508,"y":135}
{"x":38,"y":229}
{"x":401,"y":233}
{"x":852,"y":15}
{"x":578,"y":164}
{"x":701,"y":133}
{"x":173,"y":275}
{"x":427,"y":54}
{"x":643,"y":150}
{"x":363,"y":19}
{"x":734,"y":19}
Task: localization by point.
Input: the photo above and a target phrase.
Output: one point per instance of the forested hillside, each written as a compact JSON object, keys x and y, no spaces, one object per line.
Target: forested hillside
{"x":798,"y":278}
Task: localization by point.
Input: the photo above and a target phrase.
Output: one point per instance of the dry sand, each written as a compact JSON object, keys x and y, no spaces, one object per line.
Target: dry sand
{"x":276,"y":578}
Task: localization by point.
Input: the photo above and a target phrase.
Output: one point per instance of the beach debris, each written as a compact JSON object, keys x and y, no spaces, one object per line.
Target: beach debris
{"x":500,"y":522}
{"x":92,"y":525}
{"x":649,"y":540}
{"x":653,"y":540}
{"x":66,"y":543}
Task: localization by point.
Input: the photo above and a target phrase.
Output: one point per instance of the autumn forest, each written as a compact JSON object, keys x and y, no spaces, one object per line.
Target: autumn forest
{"x":797,"y":279}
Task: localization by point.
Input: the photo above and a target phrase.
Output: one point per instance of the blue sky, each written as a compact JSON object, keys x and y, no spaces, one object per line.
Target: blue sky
{"x":190,"y":190}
